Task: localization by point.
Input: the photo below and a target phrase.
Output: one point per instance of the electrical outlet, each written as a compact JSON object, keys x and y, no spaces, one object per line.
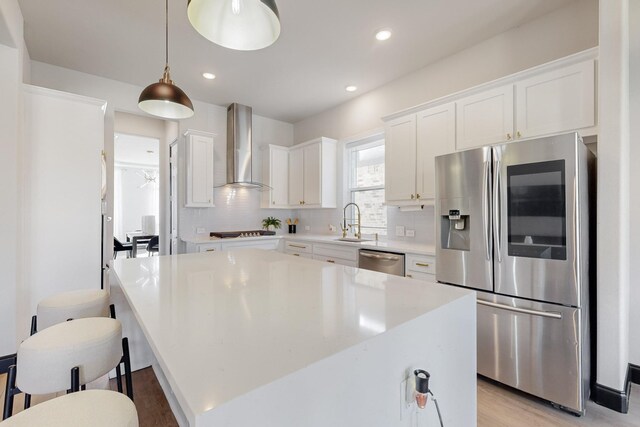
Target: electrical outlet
{"x":407,"y":395}
{"x":400,"y":230}
{"x":307,"y":228}
{"x":199,"y":230}
{"x":411,"y":233}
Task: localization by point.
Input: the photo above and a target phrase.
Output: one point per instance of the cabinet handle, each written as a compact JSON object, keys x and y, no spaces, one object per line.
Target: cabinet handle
{"x":303,"y":202}
{"x":211,"y":250}
{"x":508,"y":136}
{"x":421,"y":264}
{"x":331,"y":261}
{"x":273,"y":203}
{"x":408,"y":275}
{"x":412,"y":197}
{"x":297,"y":246}
{"x":417,"y":196}
{"x":518,"y":134}
{"x":295,"y":254}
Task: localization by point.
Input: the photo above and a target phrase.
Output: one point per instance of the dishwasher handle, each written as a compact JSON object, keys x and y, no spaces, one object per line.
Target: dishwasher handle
{"x":382,"y":257}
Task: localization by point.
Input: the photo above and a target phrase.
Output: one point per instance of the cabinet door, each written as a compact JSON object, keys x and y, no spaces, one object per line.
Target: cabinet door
{"x":296,"y":183}
{"x":556,"y":101}
{"x":312,"y":175}
{"x":400,"y":159}
{"x":436,"y":136}
{"x":200,"y":171}
{"x":279,"y":182}
{"x":485,"y":118}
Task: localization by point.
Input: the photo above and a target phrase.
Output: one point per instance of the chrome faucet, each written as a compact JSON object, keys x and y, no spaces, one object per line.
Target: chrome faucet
{"x":344,"y":221}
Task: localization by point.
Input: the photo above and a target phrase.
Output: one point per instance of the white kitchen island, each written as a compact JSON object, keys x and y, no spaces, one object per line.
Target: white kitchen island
{"x":259,"y":338}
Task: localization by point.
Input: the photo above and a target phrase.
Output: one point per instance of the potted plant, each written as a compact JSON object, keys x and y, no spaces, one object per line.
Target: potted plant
{"x":269,"y":222}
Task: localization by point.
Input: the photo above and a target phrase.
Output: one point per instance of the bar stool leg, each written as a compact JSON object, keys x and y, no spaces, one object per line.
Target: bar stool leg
{"x":34,"y":324}
{"x":119,"y":378}
{"x":27,"y":401}
{"x":127,"y":367}
{"x":9,"y":392}
{"x":75,"y":379}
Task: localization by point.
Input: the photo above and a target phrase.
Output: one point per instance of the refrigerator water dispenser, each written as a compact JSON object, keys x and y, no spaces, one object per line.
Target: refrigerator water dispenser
{"x":455,"y":230}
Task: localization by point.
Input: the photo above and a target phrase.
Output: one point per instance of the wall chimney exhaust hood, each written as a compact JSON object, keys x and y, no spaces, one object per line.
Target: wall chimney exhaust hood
{"x":239,"y":146}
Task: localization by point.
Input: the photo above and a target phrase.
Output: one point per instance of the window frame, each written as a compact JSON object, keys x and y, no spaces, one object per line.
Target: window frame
{"x":351,"y":148}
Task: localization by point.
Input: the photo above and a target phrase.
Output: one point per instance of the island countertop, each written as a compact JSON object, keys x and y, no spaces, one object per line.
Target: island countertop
{"x":223,"y":324}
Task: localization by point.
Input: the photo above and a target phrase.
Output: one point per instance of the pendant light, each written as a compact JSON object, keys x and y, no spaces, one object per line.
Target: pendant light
{"x":164,"y":99}
{"x":236,"y":24}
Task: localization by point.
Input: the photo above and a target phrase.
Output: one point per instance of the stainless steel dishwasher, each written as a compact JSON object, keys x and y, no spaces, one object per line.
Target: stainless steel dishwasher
{"x":385,"y":262}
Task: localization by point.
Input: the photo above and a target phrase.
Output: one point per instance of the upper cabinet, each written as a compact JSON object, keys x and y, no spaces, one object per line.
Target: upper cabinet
{"x":485,"y":118}
{"x":546,"y":103}
{"x":275,"y":174}
{"x":550,"y":99}
{"x":400,"y":159}
{"x":556,"y":101}
{"x":411,"y":144}
{"x":199,"y":159}
{"x":436,"y":128}
{"x":312,"y":174}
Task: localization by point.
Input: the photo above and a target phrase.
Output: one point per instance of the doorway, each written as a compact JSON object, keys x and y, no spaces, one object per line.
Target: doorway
{"x":136,"y":193}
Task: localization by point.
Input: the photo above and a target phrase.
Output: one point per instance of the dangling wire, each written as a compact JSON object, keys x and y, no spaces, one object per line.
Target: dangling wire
{"x":437,"y":407}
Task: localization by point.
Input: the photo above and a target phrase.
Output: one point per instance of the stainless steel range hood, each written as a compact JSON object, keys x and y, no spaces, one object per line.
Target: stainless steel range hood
{"x":239,"y":146}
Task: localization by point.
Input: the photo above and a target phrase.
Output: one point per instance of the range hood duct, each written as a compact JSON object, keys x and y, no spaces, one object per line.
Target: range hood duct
{"x":239,"y":146}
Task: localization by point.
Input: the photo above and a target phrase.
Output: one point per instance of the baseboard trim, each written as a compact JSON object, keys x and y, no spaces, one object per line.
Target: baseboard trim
{"x":6,"y":361}
{"x":615,"y":400}
{"x":634,"y":373}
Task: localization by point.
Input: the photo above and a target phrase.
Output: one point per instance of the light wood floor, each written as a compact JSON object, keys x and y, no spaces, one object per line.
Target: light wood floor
{"x":497,"y":407}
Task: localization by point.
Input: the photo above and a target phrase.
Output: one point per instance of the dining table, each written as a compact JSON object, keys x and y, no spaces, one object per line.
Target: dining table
{"x":137,"y":237}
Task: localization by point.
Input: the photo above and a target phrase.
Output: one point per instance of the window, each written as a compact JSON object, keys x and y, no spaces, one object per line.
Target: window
{"x":365,"y":182}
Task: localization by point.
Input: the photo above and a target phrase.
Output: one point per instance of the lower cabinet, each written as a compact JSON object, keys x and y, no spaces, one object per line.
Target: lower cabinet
{"x":299,"y":249}
{"x":420,"y":267}
{"x":336,"y":254}
{"x":268,"y":244}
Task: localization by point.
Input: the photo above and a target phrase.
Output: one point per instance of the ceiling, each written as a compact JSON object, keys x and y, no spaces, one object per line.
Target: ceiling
{"x":135,"y":150}
{"x":324,"y":46}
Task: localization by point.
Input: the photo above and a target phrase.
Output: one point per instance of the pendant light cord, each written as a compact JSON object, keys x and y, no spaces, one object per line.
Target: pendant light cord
{"x":166,"y":34}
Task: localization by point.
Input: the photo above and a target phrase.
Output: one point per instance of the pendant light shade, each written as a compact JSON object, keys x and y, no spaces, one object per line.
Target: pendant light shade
{"x":236,"y":24}
{"x":164,"y":99}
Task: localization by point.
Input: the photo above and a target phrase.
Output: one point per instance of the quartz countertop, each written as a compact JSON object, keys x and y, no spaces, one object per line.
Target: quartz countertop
{"x":223,"y":324}
{"x":383,"y":245}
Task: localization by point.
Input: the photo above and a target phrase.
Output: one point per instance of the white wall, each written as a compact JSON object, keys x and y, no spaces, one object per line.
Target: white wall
{"x":132,"y":201}
{"x":634,"y":231}
{"x":568,"y":30}
{"x":13,"y":56}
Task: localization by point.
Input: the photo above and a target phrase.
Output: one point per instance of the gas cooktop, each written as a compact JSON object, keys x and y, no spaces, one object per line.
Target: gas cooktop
{"x":250,"y":233}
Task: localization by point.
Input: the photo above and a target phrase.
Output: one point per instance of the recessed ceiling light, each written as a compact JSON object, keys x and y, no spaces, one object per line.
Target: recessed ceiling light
{"x":351,"y":88}
{"x":384,"y":34}
{"x":209,"y":76}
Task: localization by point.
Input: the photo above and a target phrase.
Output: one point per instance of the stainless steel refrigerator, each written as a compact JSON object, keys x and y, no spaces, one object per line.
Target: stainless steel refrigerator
{"x":514,"y":222}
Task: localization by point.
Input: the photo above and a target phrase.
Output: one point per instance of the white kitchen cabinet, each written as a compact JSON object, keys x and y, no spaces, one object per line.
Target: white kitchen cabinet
{"x":436,"y":130}
{"x":400,"y":154}
{"x":204,"y":247}
{"x":420,"y":267}
{"x":485,"y":118}
{"x":275,"y":174}
{"x":312,"y":174}
{"x":556,"y":101}
{"x":224,"y":245}
{"x":299,"y":249}
{"x":199,"y":158}
{"x":411,"y":144}
{"x":336,"y":254}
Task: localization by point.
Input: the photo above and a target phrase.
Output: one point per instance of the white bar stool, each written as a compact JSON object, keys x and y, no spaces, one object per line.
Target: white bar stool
{"x":96,"y":408}
{"x":64,"y":357}
{"x":80,"y":304}
{"x":70,"y":305}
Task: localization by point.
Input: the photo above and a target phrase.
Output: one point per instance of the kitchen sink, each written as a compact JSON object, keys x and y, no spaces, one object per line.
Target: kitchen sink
{"x":352,"y":239}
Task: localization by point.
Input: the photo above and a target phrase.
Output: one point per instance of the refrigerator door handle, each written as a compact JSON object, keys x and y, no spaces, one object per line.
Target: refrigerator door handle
{"x":496,"y":206}
{"x":551,"y":314}
{"x":486,"y":194}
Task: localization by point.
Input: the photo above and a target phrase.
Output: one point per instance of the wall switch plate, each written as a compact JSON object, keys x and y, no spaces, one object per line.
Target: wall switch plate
{"x":411,"y":233}
{"x":399,"y":230}
{"x":199,"y":230}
